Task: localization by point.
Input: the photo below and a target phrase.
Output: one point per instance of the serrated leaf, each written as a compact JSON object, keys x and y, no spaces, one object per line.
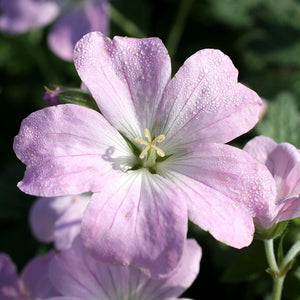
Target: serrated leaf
{"x":282,"y":121}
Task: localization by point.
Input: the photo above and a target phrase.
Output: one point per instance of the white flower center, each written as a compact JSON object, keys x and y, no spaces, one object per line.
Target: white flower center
{"x":150,"y":144}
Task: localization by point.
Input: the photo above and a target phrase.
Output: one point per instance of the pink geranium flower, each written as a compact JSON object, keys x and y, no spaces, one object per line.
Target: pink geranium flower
{"x":77,"y":275}
{"x":58,"y":219}
{"x":77,"y":18}
{"x":154,"y":157}
{"x":33,"y":283}
{"x":283,"y":162}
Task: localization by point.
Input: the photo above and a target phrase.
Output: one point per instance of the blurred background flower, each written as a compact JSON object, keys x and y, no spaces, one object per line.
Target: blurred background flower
{"x":74,"y":19}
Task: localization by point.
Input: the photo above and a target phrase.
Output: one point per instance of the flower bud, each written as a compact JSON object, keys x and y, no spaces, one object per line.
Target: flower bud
{"x":50,"y":96}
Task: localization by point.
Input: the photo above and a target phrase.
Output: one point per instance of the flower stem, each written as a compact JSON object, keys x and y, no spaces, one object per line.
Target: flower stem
{"x":283,"y":269}
{"x":277,"y":288}
{"x":292,"y":253}
{"x":269,"y":249}
{"x":278,"y":277}
{"x":177,"y":28}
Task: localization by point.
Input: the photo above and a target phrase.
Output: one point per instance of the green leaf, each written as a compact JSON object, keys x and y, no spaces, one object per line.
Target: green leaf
{"x":160,"y":159}
{"x":76,"y":96}
{"x":297,"y":221}
{"x":282,"y":121}
{"x":275,"y":231}
{"x":134,"y":149}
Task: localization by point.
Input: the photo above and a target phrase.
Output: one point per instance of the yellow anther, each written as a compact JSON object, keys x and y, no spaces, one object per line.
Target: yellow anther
{"x":159,"y":139}
{"x":150,"y":144}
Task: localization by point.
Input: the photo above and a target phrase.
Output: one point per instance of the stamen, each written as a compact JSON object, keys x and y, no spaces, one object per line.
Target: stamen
{"x":144,"y":152}
{"x":140,"y":141}
{"x":159,"y":151}
{"x":159,"y":139}
{"x":147,"y":135}
{"x":150,"y":144}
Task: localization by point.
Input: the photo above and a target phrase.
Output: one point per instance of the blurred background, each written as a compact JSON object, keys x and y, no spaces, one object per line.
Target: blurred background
{"x":262,"y":37}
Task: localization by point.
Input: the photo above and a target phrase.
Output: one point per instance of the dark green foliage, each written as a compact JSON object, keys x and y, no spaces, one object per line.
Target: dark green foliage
{"x":282,"y":121}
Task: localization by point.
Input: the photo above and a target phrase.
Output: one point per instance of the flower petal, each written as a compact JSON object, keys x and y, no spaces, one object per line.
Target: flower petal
{"x":43,"y":214}
{"x":20,"y":16}
{"x":179,"y":280}
{"x":76,"y":273}
{"x":280,"y":160}
{"x":36,"y":279}
{"x":142,"y":214}
{"x":288,"y":202}
{"x":58,"y":219}
{"x":72,"y":272}
{"x":288,"y":209}
{"x":65,"y":298}
{"x":206,"y":103}
{"x":83,"y":18}
{"x":10,"y":287}
{"x":96,"y":280}
{"x":292,"y":182}
{"x":260,"y":148}
{"x":68,"y":225}
{"x":227,"y":221}
{"x":225,"y":187}
{"x":68,"y":150}
{"x":283,"y":159}
{"x":126,"y":76}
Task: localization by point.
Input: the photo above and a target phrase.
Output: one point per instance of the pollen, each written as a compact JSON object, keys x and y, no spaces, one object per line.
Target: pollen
{"x":150,"y":144}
